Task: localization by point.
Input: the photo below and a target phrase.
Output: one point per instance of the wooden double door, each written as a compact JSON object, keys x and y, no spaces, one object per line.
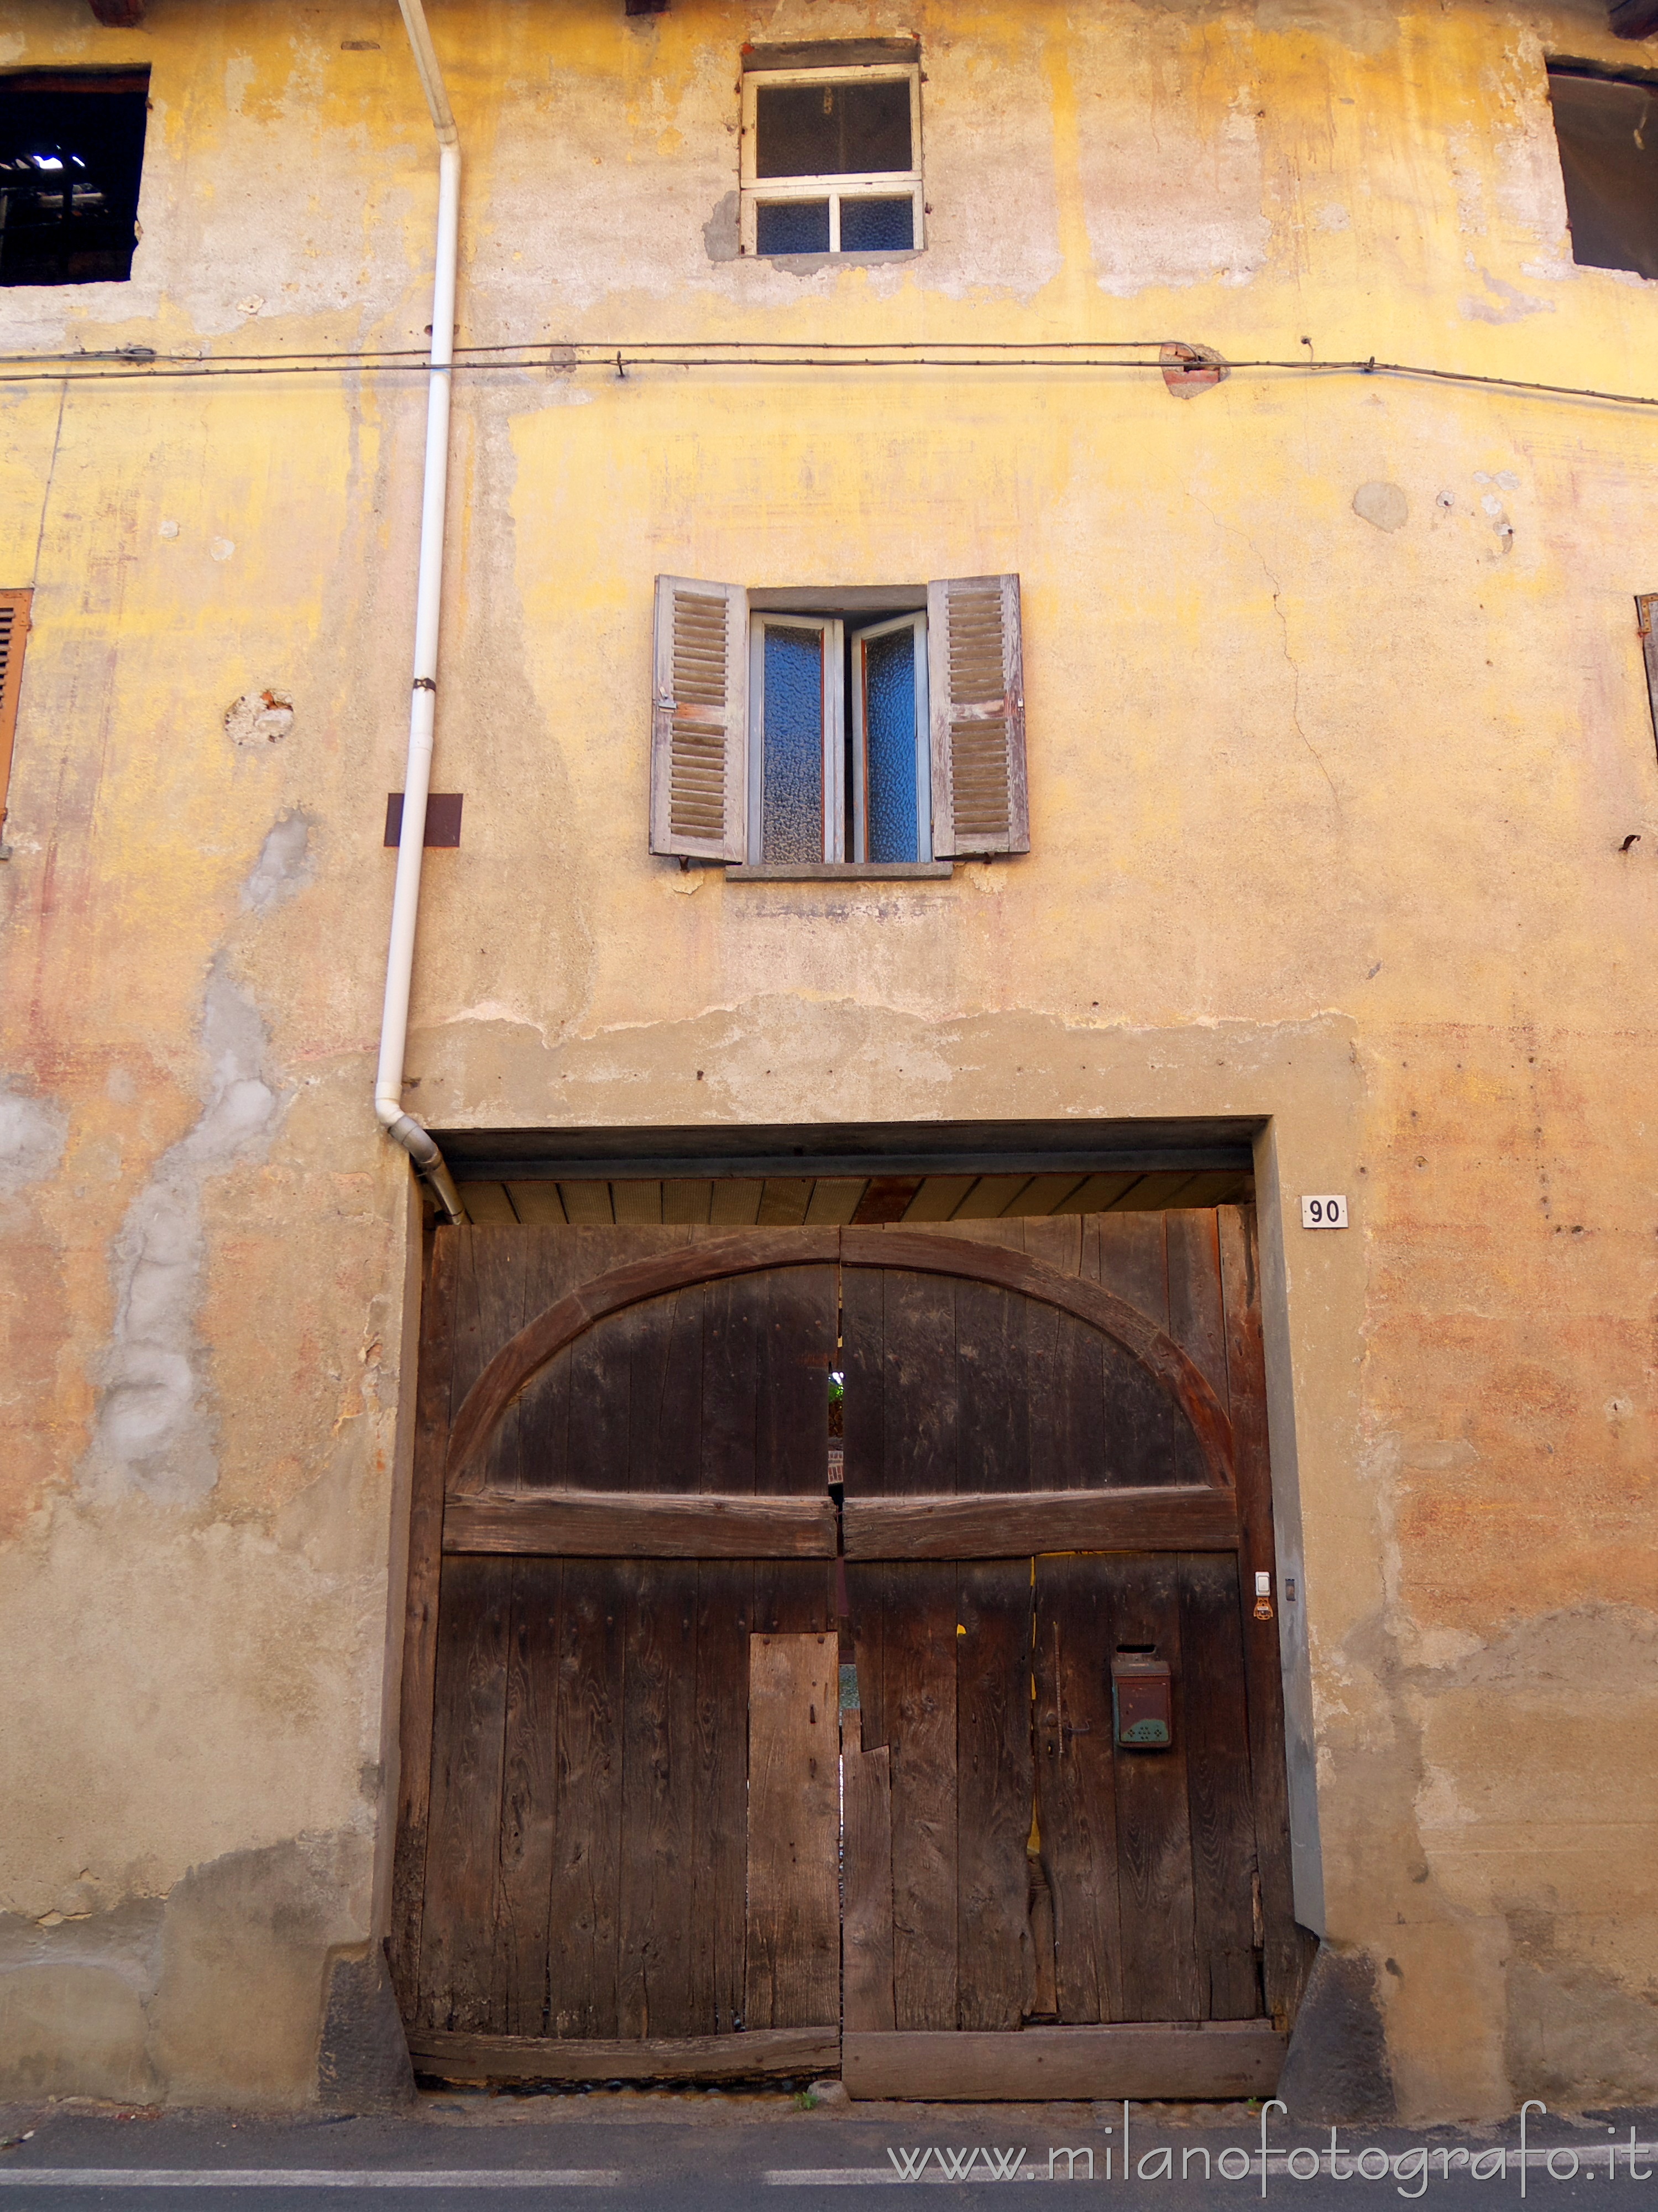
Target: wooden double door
{"x":732,"y":1747}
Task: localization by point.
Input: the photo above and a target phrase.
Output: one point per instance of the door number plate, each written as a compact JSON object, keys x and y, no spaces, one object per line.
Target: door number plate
{"x":1324,"y":1213}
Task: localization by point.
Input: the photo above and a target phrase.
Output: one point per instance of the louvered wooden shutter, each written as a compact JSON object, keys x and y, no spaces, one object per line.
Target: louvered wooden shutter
{"x":975,"y":682}
{"x":699,"y":721}
{"x":14,"y":629}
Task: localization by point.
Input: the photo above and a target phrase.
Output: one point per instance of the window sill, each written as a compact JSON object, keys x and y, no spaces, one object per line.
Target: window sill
{"x":841,"y":872}
{"x":822,"y":260}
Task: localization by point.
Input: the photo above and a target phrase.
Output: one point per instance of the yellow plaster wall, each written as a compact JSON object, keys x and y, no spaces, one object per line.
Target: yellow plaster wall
{"x":1325,"y":829}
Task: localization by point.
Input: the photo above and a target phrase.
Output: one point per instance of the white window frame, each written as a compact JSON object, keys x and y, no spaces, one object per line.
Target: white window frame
{"x":832,"y":630}
{"x":916,"y":624}
{"x":891,"y":184}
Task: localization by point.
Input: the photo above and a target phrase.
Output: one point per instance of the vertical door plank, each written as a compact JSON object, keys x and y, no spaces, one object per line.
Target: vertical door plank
{"x":794,"y":1349}
{"x":492,"y":1306}
{"x":995,"y":1970}
{"x":1160,"y":1978}
{"x":1127,"y":1253}
{"x":588,"y":1844}
{"x":1219,"y":1796}
{"x":994,"y":1387}
{"x":794,"y":1352}
{"x":457,"y":1948}
{"x":529,"y":1801}
{"x":1285,"y":1955}
{"x":719,"y":1933}
{"x":730,"y":1382}
{"x":1076,"y":1782}
{"x":658,"y":1867}
{"x":665,"y":1391}
{"x":907,"y":1685}
{"x":793,"y":1977}
{"x":1196,"y":1319}
{"x":432,"y":1414}
{"x":863,"y":1359}
{"x":1069,"y":1436}
{"x":867,"y":1869}
{"x":921,"y":1402}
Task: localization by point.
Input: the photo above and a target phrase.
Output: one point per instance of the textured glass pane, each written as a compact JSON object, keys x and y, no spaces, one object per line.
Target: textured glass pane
{"x":889,"y":732}
{"x":791,"y":227}
{"x":791,"y":812}
{"x":877,"y":226}
{"x":854,"y":130}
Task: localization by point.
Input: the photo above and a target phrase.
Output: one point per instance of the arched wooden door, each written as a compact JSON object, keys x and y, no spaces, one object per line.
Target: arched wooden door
{"x":620,"y":1850}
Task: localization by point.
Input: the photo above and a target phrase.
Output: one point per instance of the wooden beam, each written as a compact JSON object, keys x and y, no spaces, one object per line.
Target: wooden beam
{"x":604,"y":1524}
{"x":769,"y":2050}
{"x":1012,"y":1524}
{"x":1633,"y":19}
{"x":1207,"y":2058}
{"x":119,"y":14}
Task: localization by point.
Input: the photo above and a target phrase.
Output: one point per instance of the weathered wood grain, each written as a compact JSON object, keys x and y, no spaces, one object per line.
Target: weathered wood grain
{"x":1161,"y":1978}
{"x":588,"y":1844}
{"x":911,"y":1674}
{"x":456,"y":1988}
{"x":529,"y":1798}
{"x":793,"y":1967}
{"x":630,"y":1285}
{"x":586,"y":2058}
{"x":924,"y":1253}
{"x":1076,"y":1784}
{"x":631,"y":1524}
{"x":988,"y":1528}
{"x":867,"y":1872}
{"x":913,"y":1252}
{"x":1206,"y":2059}
{"x":1220,"y":1799}
{"x":994,"y":1972}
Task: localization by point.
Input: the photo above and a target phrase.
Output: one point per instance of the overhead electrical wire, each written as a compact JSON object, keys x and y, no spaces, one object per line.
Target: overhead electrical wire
{"x":559,"y":357}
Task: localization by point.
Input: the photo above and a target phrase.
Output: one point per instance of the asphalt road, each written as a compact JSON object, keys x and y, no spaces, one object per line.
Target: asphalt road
{"x":694,"y":2154}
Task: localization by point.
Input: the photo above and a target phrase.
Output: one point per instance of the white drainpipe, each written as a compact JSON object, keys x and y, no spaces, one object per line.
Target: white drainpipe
{"x":429,"y":609}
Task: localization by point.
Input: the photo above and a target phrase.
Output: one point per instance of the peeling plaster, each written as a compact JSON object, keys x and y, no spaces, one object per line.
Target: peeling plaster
{"x":157,"y":1429}
{"x":32,"y":1135}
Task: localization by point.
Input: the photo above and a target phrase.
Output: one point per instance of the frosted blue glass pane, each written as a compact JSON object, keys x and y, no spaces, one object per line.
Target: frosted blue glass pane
{"x":792,"y":810}
{"x":889,"y":734}
{"x":791,"y":227}
{"x":877,"y":226}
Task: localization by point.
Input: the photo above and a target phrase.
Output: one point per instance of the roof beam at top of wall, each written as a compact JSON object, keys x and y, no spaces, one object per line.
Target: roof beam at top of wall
{"x":119,"y":14}
{"x":1633,"y":19}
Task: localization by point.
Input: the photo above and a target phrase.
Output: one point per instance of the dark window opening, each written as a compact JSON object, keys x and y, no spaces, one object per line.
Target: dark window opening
{"x":849,"y":129}
{"x":72,"y":152}
{"x":1608,"y":129}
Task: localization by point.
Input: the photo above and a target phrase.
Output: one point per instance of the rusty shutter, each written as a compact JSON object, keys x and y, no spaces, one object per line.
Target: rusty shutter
{"x":14,"y":629}
{"x":699,"y":721}
{"x":975,"y":678}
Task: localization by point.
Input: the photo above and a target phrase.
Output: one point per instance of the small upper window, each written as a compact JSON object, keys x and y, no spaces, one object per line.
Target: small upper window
{"x":875,"y":726}
{"x":72,"y":148}
{"x":1608,"y":128}
{"x":832,"y":160}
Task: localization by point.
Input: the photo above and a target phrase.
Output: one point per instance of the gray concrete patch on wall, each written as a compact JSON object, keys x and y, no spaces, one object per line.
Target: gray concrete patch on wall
{"x":1337,"y":2071}
{"x":32,"y":1135}
{"x":363,"y":2065}
{"x":155,"y":1428}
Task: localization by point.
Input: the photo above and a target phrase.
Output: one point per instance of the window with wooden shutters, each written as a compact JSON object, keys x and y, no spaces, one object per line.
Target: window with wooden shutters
{"x":14,"y":629}
{"x":700,"y":723}
{"x":871,"y":727}
{"x":976,"y":679}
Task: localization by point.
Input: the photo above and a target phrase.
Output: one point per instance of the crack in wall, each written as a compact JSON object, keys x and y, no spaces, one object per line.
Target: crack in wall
{"x":1277,"y":590}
